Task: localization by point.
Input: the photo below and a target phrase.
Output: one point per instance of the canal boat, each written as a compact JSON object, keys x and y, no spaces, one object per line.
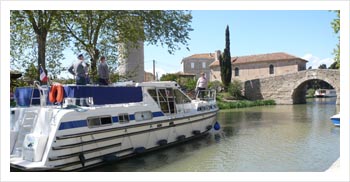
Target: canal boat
{"x":336,"y":119}
{"x":325,"y":93}
{"x":75,"y":127}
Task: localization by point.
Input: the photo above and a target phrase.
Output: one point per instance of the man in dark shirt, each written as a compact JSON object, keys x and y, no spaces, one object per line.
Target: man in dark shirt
{"x":103,"y":72}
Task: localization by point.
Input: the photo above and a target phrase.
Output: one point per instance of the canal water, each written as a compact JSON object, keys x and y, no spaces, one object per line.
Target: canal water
{"x":281,"y":138}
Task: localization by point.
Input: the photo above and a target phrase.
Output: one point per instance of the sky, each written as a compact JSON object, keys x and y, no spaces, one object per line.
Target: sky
{"x":305,"y":34}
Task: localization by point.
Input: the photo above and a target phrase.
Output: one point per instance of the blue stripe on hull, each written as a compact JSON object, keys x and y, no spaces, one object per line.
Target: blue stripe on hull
{"x":72,"y":124}
{"x":83,"y":123}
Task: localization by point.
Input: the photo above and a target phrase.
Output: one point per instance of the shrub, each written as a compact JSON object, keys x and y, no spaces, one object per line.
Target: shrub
{"x":310,"y":92}
{"x":235,"y":89}
{"x":217,"y":85}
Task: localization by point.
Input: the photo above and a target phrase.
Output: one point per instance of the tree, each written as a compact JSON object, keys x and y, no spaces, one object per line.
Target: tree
{"x":35,"y":38}
{"x":225,"y":61}
{"x":322,"y":66}
{"x":101,"y":32}
{"x":336,"y":52}
{"x":169,"y":77}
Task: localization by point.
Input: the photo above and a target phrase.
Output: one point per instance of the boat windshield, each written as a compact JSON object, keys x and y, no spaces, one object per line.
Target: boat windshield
{"x":168,"y":98}
{"x":206,"y":95}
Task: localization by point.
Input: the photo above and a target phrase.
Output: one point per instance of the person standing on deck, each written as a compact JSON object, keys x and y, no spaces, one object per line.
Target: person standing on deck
{"x":80,"y":70}
{"x":103,"y":72}
{"x":202,"y":84}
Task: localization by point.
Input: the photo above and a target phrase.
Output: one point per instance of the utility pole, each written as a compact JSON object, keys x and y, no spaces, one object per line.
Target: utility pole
{"x":154,"y":70}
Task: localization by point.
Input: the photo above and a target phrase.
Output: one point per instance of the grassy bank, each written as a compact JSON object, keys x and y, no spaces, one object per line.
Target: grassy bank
{"x":244,"y":103}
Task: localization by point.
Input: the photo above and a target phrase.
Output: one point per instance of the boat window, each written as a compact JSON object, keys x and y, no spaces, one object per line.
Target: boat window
{"x":93,"y":122}
{"x":153,"y":94}
{"x":123,"y":118}
{"x":181,"y":97}
{"x":106,"y":120}
{"x":98,"y":121}
{"x":144,"y":115}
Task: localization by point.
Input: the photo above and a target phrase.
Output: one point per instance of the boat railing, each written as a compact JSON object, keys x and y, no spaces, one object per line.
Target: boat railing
{"x":206,"y":95}
{"x":43,"y":93}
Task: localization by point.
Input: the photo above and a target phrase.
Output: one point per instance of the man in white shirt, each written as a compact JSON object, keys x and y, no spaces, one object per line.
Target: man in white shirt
{"x":80,"y":70}
{"x":202,"y":84}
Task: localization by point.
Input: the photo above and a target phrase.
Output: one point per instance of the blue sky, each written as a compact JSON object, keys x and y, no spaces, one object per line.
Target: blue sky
{"x":305,"y":34}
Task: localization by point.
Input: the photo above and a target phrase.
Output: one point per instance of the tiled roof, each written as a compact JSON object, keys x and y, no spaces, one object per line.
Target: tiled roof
{"x":279,"y":56}
{"x":202,"y":56}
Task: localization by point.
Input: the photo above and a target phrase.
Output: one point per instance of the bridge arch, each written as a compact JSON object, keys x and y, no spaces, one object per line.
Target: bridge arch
{"x":290,"y":88}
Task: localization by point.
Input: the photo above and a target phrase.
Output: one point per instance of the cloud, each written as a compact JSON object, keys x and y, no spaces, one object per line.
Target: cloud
{"x":315,"y":61}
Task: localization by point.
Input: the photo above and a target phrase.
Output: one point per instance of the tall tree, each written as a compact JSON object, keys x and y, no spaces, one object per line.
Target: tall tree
{"x":32,"y":34}
{"x":225,"y":61}
{"x":336,"y":52}
{"x":100,"y":32}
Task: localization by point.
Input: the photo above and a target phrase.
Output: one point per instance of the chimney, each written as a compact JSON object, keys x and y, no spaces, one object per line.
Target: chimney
{"x":217,"y":54}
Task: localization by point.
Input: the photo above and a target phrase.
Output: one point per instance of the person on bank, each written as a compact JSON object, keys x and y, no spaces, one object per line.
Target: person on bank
{"x":202,"y":84}
{"x":103,"y":72}
{"x":80,"y":70}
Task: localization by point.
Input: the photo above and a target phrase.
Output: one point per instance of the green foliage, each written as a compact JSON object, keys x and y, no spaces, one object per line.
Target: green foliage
{"x":113,"y":33}
{"x":217,"y":85}
{"x":40,"y":36}
{"x":169,"y":77}
{"x":336,"y":51}
{"x":190,"y":84}
{"x":225,"y":61}
{"x":245,"y":103}
{"x":34,"y":39}
{"x":235,"y":89}
{"x":310,"y":92}
{"x":322,"y":66}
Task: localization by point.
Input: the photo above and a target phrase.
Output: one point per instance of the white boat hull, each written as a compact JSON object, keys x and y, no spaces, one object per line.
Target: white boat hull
{"x":53,"y":138}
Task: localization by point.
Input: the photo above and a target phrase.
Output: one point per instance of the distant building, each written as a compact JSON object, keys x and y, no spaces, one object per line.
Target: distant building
{"x":149,"y":77}
{"x":198,"y":63}
{"x":131,"y":60}
{"x":260,"y":66}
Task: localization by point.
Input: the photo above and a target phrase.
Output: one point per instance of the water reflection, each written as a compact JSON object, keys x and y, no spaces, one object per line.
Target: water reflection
{"x":287,"y":138}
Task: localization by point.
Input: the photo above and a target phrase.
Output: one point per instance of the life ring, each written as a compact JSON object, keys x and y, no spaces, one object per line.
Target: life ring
{"x":56,"y":93}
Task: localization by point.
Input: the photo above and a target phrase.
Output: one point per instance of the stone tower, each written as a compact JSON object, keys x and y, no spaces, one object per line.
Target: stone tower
{"x":131,"y":61}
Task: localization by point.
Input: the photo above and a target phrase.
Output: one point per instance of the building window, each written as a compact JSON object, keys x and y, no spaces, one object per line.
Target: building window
{"x":192,"y":65}
{"x":203,"y":65}
{"x":272,"y":70}
{"x":236,"y":71}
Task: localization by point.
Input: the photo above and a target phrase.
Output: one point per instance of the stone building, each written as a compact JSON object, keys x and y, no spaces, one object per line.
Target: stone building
{"x":198,"y":63}
{"x":148,"y":77}
{"x":131,"y":60}
{"x":260,"y":66}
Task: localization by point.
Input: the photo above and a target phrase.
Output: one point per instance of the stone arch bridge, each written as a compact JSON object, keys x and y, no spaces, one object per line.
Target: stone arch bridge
{"x":290,"y":88}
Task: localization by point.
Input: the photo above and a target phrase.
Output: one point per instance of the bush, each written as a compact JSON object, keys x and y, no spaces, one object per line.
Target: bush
{"x":310,"y":92}
{"x":235,"y":89}
{"x":217,"y":85}
{"x":245,"y":103}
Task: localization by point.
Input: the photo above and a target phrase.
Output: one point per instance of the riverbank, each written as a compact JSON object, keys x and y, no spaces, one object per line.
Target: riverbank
{"x":243,"y":103}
